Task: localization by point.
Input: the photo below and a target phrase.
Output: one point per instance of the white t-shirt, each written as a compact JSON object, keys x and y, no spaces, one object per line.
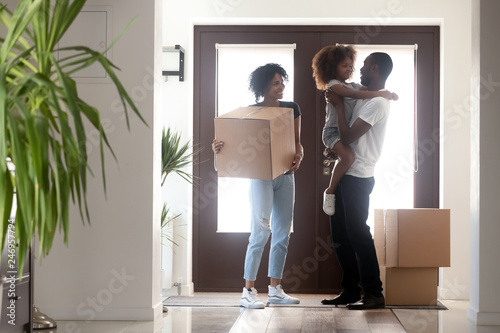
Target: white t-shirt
{"x":367,"y":149}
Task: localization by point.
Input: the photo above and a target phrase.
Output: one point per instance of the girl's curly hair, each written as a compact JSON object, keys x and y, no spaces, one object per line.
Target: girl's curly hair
{"x":324,"y":63}
{"x":261,"y":77}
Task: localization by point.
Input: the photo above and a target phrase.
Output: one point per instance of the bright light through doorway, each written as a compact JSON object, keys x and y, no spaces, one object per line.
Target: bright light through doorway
{"x":394,"y":172}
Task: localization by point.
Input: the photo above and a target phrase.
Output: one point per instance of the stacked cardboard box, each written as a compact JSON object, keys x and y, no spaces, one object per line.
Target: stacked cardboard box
{"x":411,"y":245}
{"x":259,"y":142}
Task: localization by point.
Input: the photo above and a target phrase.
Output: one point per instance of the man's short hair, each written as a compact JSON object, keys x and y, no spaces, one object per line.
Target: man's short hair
{"x":384,"y":62}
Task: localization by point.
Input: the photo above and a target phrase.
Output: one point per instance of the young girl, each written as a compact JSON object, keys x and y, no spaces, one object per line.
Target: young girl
{"x":332,"y":67}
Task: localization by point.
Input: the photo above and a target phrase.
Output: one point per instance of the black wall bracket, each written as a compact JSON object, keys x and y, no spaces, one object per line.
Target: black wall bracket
{"x":180,"y":72}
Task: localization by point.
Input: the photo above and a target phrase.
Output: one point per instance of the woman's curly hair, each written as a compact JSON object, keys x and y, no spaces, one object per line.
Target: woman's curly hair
{"x":324,"y":63}
{"x":261,"y":77}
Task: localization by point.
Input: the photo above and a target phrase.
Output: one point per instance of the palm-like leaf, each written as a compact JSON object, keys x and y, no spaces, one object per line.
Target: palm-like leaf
{"x":42,"y":122}
{"x":175,"y":156}
{"x":167,"y":224}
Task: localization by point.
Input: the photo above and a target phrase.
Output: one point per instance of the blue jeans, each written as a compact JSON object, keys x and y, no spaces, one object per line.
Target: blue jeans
{"x":351,"y":236}
{"x":277,"y":197}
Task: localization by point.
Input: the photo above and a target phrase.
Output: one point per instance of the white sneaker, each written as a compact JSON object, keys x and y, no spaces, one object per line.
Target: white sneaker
{"x":277,"y":296}
{"x":329,"y":203}
{"x":250,"y":300}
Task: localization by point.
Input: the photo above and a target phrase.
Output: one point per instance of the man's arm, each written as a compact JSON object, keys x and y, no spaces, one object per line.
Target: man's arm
{"x":347,"y":134}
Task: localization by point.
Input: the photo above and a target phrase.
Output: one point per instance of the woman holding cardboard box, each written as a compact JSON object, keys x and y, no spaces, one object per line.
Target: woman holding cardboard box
{"x":275,"y":196}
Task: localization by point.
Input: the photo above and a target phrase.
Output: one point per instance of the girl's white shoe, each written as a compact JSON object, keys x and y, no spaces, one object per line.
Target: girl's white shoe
{"x":329,"y":203}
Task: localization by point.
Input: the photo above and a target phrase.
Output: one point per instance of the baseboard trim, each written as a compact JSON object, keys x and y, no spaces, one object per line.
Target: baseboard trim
{"x":480,"y":318}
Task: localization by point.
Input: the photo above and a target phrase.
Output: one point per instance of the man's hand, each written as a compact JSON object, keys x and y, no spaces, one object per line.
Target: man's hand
{"x":333,"y":98}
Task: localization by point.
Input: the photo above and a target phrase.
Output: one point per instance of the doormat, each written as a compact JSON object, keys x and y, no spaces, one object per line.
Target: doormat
{"x":233,"y":300}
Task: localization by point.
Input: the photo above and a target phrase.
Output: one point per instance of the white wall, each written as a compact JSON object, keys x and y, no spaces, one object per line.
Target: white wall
{"x":485,"y":158}
{"x":455,"y":94}
{"x":110,"y":270}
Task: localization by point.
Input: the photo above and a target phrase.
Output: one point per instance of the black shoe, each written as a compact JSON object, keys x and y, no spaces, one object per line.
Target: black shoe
{"x":342,"y":299}
{"x":368,"y":302}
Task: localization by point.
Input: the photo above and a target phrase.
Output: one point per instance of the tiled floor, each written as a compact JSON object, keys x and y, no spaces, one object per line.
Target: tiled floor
{"x":293,"y":319}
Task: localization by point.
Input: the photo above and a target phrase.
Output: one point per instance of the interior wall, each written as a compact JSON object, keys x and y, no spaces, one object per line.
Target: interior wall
{"x":180,"y":17}
{"x":484,"y":308}
{"x":110,"y":270}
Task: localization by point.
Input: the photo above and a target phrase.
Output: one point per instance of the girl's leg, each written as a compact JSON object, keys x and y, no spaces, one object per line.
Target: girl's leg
{"x":344,"y":162}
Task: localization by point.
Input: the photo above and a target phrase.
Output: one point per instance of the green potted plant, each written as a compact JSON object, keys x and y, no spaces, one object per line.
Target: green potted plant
{"x":174,"y":158}
{"x":43,"y":122}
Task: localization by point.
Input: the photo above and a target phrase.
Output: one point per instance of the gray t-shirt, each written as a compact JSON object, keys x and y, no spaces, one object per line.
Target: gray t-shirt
{"x":331,"y":119}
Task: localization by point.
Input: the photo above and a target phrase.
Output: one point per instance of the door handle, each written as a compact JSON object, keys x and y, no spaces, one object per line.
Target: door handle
{"x":326,"y":167}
